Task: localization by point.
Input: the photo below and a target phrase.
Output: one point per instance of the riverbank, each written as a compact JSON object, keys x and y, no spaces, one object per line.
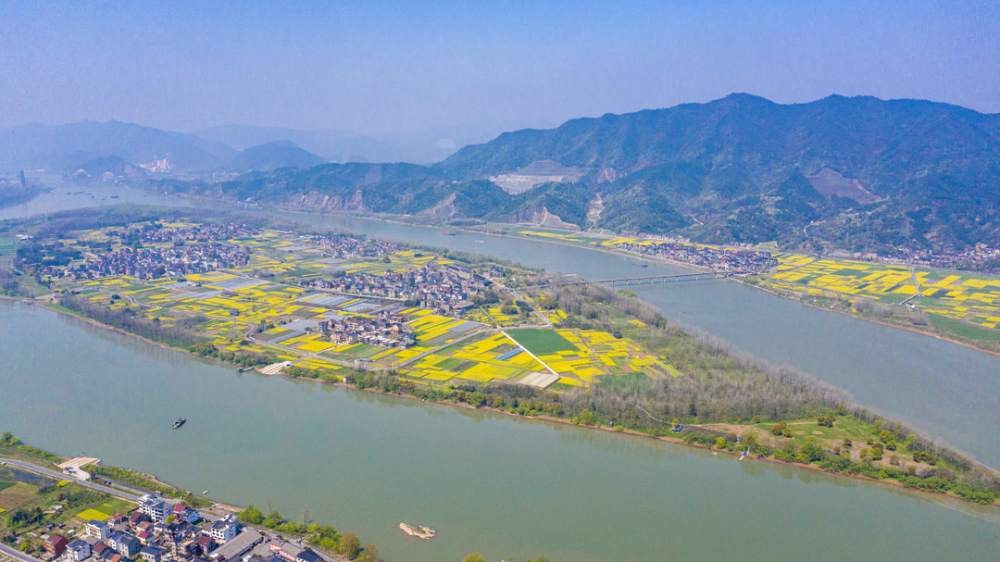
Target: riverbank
{"x":589,"y":308}
{"x":333,"y":545}
{"x":510,"y":231}
{"x":449,"y":395}
{"x":798,"y":297}
{"x":680,"y":441}
{"x":366,"y":462}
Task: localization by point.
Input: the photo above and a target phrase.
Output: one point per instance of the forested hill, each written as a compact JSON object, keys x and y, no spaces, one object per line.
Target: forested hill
{"x":855,"y":173}
{"x":271,"y":156}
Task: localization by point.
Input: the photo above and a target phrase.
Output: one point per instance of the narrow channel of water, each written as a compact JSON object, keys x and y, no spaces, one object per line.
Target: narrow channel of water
{"x":486,"y":482}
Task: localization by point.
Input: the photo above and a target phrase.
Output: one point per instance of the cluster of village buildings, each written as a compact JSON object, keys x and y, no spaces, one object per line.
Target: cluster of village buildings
{"x":719,"y":259}
{"x":160,"y":531}
{"x":385,"y":330}
{"x":969,"y":258}
{"x":443,"y":288}
{"x":352,"y":247}
{"x":149,"y":234}
{"x":154,"y":263}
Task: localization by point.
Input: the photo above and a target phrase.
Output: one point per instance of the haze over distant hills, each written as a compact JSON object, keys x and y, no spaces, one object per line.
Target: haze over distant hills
{"x":88,"y":144}
{"x":859,"y":173}
{"x":124,"y":150}
{"x":271,"y":156}
{"x":340,"y":146}
{"x":59,"y":148}
{"x":855,"y":173}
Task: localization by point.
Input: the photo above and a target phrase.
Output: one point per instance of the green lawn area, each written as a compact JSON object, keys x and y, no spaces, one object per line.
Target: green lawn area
{"x":17,"y":495}
{"x":844,"y":426}
{"x":541,"y":342}
{"x":5,"y":485}
{"x":115,"y":505}
{"x":451,"y":364}
{"x":893,"y":298}
{"x":963,"y":329}
{"x":622,"y":381}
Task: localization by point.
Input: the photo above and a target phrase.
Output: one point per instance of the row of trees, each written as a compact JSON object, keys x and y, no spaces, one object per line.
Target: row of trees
{"x":324,"y":536}
{"x":243,"y":359}
{"x":973,"y":485}
{"x":718,"y":384}
{"x":9,"y":284}
{"x":125,"y":318}
{"x":132,"y":478}
{"x":8,"y":441}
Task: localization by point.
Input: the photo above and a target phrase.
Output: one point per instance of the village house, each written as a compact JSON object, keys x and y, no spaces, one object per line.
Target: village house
{"x":225,"y":529}
{"x":155,"y":508}
{"x":55,"y":545}
{"x":151,"y":553}
{"x":97,"y":529}
{"x":79,"y":550}
{"x":124,"y":543}
{"x":186,"y":513}
{"x":237,"y":546}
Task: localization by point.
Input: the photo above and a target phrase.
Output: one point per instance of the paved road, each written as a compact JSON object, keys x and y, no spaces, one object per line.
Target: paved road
{"x":60,"y":476}
{"x":133,"y":497}
{"x":7,"y":553}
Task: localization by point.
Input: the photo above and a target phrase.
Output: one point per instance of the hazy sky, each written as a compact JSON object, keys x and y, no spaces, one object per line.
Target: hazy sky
{"x":381,"y":66}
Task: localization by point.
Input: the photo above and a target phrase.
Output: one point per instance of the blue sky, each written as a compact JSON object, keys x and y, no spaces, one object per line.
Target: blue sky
{"x":382,"y":66}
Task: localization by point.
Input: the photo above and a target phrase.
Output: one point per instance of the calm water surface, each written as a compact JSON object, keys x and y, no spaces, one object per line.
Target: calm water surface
{"x":486,"y":482}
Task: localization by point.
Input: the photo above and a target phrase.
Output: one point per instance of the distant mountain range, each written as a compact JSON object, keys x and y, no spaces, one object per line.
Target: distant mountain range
{"x":85,"y":146}
{"x":860,"y":173}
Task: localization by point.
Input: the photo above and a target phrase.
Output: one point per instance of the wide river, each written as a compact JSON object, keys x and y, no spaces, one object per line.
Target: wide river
{"x":503,"y":485}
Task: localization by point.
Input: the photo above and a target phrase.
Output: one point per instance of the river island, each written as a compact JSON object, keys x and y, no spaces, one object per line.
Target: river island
{"x":457,"y":328}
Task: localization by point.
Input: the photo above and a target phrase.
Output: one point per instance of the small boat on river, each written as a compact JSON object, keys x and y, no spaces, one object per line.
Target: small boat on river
{"x":180,"y":422}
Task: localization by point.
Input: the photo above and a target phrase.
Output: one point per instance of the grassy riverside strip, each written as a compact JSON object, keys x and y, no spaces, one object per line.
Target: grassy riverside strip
{"x":146,"y":482}
{"x":615,"y":362}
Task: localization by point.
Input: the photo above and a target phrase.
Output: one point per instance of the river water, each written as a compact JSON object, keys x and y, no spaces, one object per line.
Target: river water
{"x":505,"y":485}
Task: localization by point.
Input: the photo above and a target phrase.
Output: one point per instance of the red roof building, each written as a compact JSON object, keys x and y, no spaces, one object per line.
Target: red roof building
{"x":56,"y":544}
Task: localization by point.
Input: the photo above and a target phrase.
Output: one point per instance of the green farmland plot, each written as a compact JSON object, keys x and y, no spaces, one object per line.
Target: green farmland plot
{"x":541,"y":342}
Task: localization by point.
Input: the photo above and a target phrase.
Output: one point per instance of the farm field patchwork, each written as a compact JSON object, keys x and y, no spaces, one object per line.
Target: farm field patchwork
{"x":579,"y":357}
{"x":480,"y":359}
{"x":268,"y":306}
{"x":973,"y":298}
